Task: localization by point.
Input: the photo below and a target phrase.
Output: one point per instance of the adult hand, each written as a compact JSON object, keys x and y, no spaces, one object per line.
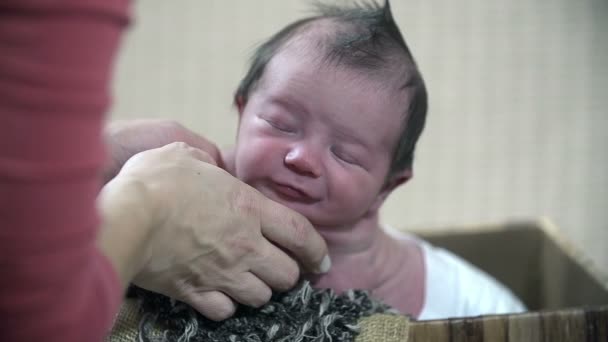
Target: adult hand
{"x":213,"y":239}
{"x":129,"y":137}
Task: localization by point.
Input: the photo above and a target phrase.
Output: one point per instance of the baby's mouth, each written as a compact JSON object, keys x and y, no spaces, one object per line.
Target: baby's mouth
{"x":291,"y":193}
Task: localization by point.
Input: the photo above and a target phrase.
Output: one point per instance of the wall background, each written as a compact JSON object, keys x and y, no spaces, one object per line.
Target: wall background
{"x":518,"y":121}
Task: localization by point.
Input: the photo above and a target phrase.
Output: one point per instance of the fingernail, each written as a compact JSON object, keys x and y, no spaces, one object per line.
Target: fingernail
{"x":325,"y":265}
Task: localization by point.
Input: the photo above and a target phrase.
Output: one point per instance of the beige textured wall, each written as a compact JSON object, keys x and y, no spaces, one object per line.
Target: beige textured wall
{"x":518,"y":122}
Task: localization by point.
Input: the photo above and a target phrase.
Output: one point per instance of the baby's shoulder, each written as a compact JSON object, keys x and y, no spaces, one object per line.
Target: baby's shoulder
{"x":399,"y":235}
{"x":453,"y":287}
{"x":461,"y":289}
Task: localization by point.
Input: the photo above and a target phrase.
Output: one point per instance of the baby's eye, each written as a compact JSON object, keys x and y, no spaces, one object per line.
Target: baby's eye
{"x":343,"y":156}
{"x":279,"y":126}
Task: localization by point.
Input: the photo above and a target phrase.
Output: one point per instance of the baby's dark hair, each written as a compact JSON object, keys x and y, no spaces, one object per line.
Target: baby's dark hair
{"x":367,"y":40}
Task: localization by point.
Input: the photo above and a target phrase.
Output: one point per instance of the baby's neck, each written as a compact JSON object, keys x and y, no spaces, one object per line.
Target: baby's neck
{"x":353,"y":239}
{"x":357,"y":252}
{"x":366,"y":257}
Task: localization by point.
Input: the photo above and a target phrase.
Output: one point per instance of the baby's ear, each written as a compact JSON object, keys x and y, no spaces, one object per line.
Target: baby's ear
{"x":239,"y":102}
{"x":391,"y":184}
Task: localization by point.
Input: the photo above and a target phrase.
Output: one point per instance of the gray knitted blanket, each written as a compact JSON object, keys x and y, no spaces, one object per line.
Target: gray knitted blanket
{"x":302,"y":314}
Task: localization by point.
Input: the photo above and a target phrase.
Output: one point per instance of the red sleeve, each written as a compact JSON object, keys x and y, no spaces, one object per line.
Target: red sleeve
{"x":55,"y":65}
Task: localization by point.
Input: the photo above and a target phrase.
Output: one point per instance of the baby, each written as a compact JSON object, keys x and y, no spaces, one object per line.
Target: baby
{"x":329,"y":115}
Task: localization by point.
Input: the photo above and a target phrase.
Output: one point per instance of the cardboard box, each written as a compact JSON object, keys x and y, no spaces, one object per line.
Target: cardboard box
{"x":530,"y":257}
{"x":566,"y":294}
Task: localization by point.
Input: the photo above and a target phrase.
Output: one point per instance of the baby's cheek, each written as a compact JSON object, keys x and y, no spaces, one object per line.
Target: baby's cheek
{"x":256,"y":157}
{"x":353,"y":193}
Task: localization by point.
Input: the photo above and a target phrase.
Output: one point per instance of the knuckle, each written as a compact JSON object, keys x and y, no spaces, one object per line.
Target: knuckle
{"x":244,"y":203}
{"x":263,"y":298}
{"x":301,"y":233}
{"x":286,"y":269}
{"x":217,"y":306}
{"x":183,"y":289}
{"x":291,"y":277}
{"x":212,"y":150}
{"x":242,"y":245}
{"x":175,"y":150}
{"x":223,"y":311}
{"x":206,"y":157}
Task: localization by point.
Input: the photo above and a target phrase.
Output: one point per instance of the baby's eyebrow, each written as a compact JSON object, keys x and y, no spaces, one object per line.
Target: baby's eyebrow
{"x":288,"y":103}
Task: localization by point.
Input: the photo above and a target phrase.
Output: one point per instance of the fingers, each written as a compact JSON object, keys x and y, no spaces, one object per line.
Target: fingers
{"x":192,"y":152}
{"x":201,"y":155}
{"x":249,"y":290}
{"x":276,"y":268}
{"x":203,"y":144}
{"x":213,"y":305}
{"x":294,"y":233}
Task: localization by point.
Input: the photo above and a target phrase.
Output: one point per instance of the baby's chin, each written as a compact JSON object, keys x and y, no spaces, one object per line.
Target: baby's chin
{"x":319,"y":216}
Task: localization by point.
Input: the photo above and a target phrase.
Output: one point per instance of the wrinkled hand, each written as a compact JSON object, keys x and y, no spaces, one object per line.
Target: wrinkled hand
{"x":215,"y":238}
{"x":129,"y":137}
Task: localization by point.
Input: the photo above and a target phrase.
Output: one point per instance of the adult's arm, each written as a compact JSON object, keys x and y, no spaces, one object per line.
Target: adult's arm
{"x":55,"y":66}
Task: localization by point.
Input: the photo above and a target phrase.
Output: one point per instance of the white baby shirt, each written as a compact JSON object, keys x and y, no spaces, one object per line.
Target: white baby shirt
{"x":456,"y":288}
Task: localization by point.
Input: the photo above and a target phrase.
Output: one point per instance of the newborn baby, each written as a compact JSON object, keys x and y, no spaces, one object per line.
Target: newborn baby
{"x":329,"y":115}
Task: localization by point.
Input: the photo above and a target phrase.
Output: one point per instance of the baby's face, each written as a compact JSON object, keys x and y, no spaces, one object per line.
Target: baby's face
{"x":318,"y":140}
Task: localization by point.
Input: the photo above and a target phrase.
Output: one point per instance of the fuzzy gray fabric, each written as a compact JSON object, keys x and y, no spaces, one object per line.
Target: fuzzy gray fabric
{"x":301,"y":315}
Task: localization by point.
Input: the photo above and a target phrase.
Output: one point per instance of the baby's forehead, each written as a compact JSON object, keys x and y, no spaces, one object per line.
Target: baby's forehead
{"x":304,"y":59}
{"x":295,"y":65}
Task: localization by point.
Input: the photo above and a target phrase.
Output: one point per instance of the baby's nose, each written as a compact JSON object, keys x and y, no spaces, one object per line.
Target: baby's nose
{"x":304,"y":160}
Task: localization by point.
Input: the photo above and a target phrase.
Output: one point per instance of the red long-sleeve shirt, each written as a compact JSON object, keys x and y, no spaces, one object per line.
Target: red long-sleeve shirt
{"x":55,"y":66}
